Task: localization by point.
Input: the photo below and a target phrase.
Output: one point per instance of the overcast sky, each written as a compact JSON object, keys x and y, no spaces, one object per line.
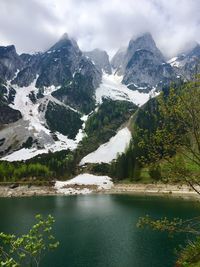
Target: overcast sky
{"x":34,"y":25}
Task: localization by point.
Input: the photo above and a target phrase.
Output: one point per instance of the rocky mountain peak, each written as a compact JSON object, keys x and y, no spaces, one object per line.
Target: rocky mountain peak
{"x":101,"y":59}
{"x":65,"y":43}
{"x":117,"y":61}
{"x":144,"y":65}
{"x":65,"y":36}
{"x":143,"y":42}
{"x":10,"y":62}
{"x":7,"y":49}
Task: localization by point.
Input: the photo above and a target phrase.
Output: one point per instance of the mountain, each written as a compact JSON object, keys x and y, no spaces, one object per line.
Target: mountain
{"x":10,"y":62}
{"x":43,"y":96}
{"x":48,"y":98}
{"x":144,"y":42}
{"x":57,"y":66}
{"x":142,"y":65}
{"x":187,"y":65}
{"x":101,"y":59}
{"x":117,"y":61}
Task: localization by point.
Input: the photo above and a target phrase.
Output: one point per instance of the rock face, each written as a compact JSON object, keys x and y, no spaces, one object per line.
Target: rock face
{"x":187,"y":65}
{"x":41,"y":91}
{"x":146,"y":43}
{"x":57,"y":66}
{"x":10,"y":62}
{"x":8,"y":115}
{"x":43,"y":96}
{"x":142,"y":65}
{"x":100,"y":59}
{"x":145,"y":70}
{"x":117,"y":61}
{"x":63,"y":65}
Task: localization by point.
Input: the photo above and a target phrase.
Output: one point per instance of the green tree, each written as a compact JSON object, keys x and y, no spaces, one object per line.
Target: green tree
{"x":176,"y":140}
{"x":28,"y":249}
{"x":177,"y":132}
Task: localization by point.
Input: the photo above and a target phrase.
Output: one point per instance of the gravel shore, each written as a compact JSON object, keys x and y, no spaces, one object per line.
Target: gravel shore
{"x":141,"y":189}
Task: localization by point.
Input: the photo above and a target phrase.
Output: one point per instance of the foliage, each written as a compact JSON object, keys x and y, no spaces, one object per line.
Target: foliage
{"x":190,"y":255}
{"x":14,"y":171}
{"x":78,"y":93}
{"x":155,"y":172}
{"x":175,"y":143}
{"x":28,"y":249}
{"x":43,"y":167}
{"x":61,"y":163}
{"x":177,"y":132}
{"x":64,"y":120}
{"x":103,"y":124}
{"x":166,"y":136}
{"x":110,"y":112}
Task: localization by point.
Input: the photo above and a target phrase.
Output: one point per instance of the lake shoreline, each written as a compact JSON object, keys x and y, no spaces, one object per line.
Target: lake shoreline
{"x":158,"y":189}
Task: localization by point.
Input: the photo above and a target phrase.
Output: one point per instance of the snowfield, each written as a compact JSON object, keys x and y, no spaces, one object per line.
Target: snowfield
{"x":112,"y":87}
{"x":27,"y":153}
{"x":110,"y":150}
{"x":82,"y":184}
{"x":174,"y":62}
{"x":63,"y":143}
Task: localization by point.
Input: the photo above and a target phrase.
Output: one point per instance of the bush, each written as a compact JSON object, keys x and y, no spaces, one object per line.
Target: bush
{"x":155,"y":172}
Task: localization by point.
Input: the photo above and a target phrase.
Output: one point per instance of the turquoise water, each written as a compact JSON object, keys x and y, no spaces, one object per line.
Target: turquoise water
{"x":100,"y":230}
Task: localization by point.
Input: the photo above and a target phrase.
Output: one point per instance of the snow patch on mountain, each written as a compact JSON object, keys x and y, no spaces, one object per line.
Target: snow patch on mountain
{"x":50,"y":89}
{"x":63,"y":143}
{"x":33,"y":113}
{"x":28,"y":109}
{"x":175,"y":62}
{"x":110,"y":150}
{"x":111,"y":87}
{"x":28,"y":153}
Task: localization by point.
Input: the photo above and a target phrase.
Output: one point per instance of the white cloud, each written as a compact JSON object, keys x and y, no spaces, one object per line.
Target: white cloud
{"x":35,"y":24}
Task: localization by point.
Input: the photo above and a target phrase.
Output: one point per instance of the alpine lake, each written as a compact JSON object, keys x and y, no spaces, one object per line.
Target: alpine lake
{"x":100,"y":230}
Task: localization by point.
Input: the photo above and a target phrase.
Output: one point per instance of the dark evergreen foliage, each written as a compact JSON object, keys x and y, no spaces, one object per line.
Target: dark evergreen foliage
{"x":64,"y":120}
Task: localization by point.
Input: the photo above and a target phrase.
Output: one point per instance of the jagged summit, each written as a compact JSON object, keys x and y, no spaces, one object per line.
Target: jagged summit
{"x":65,"y":36}
{"x":65,"y":42}
{"x":100,"y":58}
{"x":143,"y":42}
{"x":145,"y":36}
{"x":139,"y":49}
{"x":143,"y":65}
{"x":117,"y":61}
{"x":8,"y":48}
{"x":10,"y":62}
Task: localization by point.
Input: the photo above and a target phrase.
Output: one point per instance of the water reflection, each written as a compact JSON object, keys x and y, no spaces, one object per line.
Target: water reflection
{"x":99,"y":230}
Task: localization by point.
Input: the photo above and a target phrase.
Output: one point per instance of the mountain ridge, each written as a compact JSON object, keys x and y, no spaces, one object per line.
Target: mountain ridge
{"x":48,"y":93}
